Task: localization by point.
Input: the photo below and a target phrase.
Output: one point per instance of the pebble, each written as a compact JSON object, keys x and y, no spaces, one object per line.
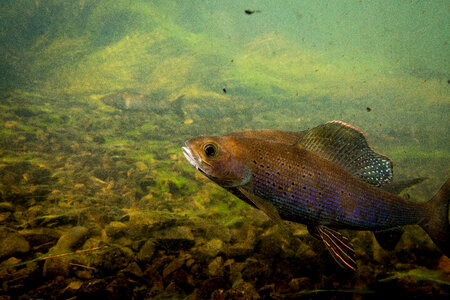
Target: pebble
{"x":175,"y":238}
{"x":239,"y":250}
{"x":6,"y":206}
{"x":269,"y":246}
{"x":173,"y":266}
{"x":211,"y":249}
{"x":146,"y":252}
{"x":12,"y":243}
{"x":215,"y":268}
{"x":134,"y":270}
{"x":116,"y":229}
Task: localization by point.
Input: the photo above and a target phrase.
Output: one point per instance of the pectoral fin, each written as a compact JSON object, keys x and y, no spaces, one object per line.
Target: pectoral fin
{"x":266,"y":206}
{"x":339,"y":247}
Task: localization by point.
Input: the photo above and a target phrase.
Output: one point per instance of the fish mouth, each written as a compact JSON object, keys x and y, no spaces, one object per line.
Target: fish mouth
{"x":191,"y":157}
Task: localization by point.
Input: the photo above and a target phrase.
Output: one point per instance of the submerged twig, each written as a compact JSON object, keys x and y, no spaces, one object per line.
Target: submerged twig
{"x":53,"y":256}
{"x":83,"y":266}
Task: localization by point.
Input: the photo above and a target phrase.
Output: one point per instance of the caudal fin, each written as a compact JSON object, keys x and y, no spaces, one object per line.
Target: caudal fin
{"x":436,"y":224}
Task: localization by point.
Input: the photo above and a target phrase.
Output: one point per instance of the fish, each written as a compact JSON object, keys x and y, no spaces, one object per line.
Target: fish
{"x":136,"y":102}
{"x":327,"y":177}
{"x":250,"y":11}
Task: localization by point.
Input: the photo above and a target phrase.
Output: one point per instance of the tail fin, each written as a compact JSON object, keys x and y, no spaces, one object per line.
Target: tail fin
{"x":436,"y":224}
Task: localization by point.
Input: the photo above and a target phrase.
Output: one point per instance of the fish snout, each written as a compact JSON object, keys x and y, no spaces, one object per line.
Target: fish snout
{"x":193,"y":158}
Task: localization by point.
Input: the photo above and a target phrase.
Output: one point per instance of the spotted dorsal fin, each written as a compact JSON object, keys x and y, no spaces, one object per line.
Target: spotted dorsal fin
{"x":347,"y":146}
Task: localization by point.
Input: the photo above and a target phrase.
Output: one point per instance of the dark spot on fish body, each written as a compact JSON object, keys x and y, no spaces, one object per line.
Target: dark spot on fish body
{"x":224,"y":90}
{"x":368,"y":109}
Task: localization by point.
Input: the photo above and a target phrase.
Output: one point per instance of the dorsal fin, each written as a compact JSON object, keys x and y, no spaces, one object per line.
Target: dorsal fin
{"x":347,"y":146}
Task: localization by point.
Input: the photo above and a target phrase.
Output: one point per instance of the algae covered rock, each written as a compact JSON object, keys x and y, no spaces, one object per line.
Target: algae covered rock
{"x":215,"y":267}
{"x":69,"y":241}
{"x":12,"y":243}
{"x":175,"y":238}
{"x":211,"y":249}
{"x":146,"y":252}
{"x":116,"y":229}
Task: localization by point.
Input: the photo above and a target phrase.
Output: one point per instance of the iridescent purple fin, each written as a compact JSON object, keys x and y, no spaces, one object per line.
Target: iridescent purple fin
{"x":339,"y":247}
{"x":347,"y":146}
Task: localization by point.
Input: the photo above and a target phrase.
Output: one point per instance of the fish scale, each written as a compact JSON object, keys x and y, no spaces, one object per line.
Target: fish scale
{"x":318,"y":198}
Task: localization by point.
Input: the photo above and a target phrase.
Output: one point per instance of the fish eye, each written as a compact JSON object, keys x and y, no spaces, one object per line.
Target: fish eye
{"x":211,"y":150}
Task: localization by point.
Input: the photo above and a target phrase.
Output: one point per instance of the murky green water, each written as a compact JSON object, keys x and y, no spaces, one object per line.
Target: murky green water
{"x":97,"y":97}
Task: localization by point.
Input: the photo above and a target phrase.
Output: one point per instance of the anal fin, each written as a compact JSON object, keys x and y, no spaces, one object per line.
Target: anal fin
{"x":339,"y":247}
{"x":312,"y":229}
{"x":389,"y":238}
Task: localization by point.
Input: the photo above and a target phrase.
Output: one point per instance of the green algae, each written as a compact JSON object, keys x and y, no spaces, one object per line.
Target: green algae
{"x":438,"y":277}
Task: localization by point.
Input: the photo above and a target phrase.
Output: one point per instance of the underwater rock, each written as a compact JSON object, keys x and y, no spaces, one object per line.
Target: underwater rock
{"x":239,"y":250}
{"x":208,"y":286}
{"x":134,"y":270}
{"x":182,"y":280}
{"x":154,"y":280}
{"x":6,"y":212}
{"x":84,"y":274}
{"x":244,"y":290}
{"x":15,"y":279}
{"x":211,"y":249}
{"x":301,"y":283}
{"x":444,"y":264}
{"x":173,"y":266}
{"x":175,"y":238}
{"x":269,"y":245}
{"x":213,"y":231}
{"x":66,"y":243}
{"x":146,"y":252}
{"x":254,"y":269}
{"x":40,"y":237}
{"x":116,"y":229}
{"x":6,"y":207}
{"x":173,"y":291}
{"x":215,"y":267}
{"x":24,"y":183}
{"x":12,"y":243}
{"x":72,"y":238}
